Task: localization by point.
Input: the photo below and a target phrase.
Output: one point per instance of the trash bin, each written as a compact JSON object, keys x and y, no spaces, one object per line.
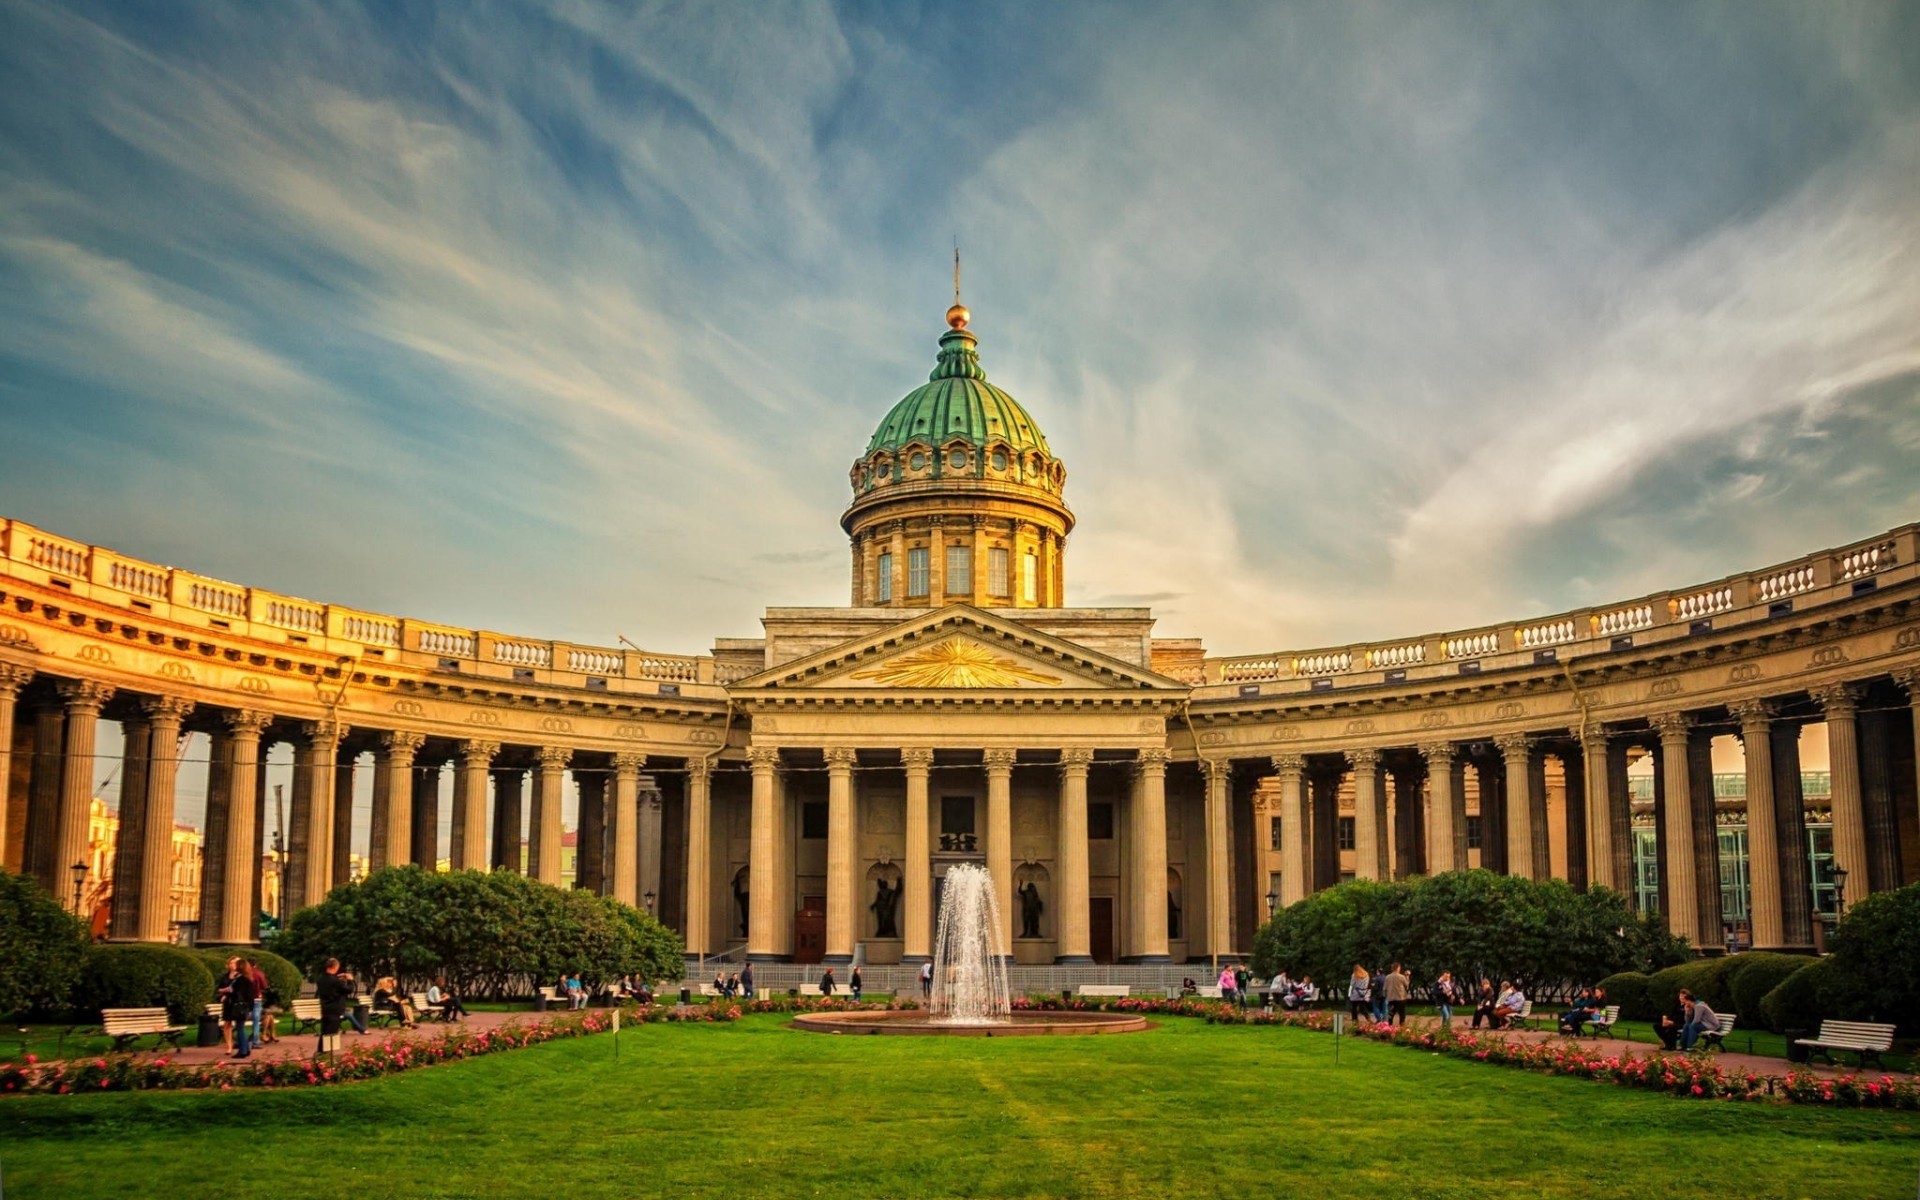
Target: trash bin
{"x":686,"y":995}
{"x":1066,"y":993}
{"x":1796,"y":1053}
{"x":540,"y":1001}
{"x":209,"y":1034}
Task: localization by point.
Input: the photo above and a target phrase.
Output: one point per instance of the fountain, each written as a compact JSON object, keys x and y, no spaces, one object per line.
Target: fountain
{"x":970,"y":992}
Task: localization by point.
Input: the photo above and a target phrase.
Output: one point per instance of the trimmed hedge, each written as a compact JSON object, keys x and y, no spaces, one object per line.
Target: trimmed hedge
{"x":1706,"y":978}
{"x":1757,"y":973}
{"x":282,"y":976}
{"x":144,"y":975}
{"x":1628,"y":989}
{"x":42,"y":947}
{"x":1798,"y":1002}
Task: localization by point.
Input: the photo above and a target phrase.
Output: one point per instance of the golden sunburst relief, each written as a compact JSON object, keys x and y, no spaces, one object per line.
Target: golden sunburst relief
{"x":954,"y":663}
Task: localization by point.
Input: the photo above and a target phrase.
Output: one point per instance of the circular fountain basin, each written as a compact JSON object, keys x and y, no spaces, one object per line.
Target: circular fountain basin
{"x":913,"y":1023}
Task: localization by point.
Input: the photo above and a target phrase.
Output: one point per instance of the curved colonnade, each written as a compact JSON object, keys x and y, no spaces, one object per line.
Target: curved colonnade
{"x":761,"y":795}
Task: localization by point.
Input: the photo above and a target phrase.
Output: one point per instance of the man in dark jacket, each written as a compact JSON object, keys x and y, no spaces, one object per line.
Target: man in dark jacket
{"x":334,"y":990}
{"x":237,"y":994}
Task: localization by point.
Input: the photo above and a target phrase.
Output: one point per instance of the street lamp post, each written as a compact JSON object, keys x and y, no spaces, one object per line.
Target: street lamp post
{"x":79,"y":871}
{"x":1839,"y":892}
{"x":649,"y":898}
{"x":1273,"y":901}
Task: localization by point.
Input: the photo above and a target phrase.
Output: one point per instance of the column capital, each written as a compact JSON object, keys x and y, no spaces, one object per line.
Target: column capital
{"x":840,"y":759}
{"x":167,"y":709}
{"x":1217,"y":768}
{"x":627,"y":764}
{"x":763,"y":758}
{"x":1670,"y":725}
{"x":1075,"y":760}
{"x":321,"y":734}
{"x":700,"y":768}
{"x":1364,"y":759}
{"x":1286,"y":765}
{"x":478,"y":753}
{"x":1438,"y":753}
{"x":84,"y":695}
{"x":1154,"y":756}
{"x":1513,"y":744}
{"x":402,"y":743}
{"x":247,"y":722}
{"x":553,"y":758}
{"x":1754,"y":715}
{"x":12,"y":679}
{"x":916,"y":758}
{"x":999,"y":761}
{"x":1840,"y":700}
{"x":1593,"y":739}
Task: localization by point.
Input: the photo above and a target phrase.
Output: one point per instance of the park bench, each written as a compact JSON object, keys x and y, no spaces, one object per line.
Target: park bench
{"x":1523,"y":1017}
{"x":128,"y":1025}
{"x":1104,"y":989}
{"x":1864,"y":1038}
{"x":1716,"y":1039}
{"x":424,"y":1011}
{"x":1604,"y":1023}
{"x":304,"y":1013}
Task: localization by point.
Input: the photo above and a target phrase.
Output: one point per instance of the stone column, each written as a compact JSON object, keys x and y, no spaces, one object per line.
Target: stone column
{"x":1218,"y":773}
{"x":1706,"y":840}
{"x":393,"y":799}
{"x":916,"y":874}
{"x":1409,"y":825}
{"x":426,"y":815}
{"x":1841,"y":703}
{"x":129,"y":856}
{"x":1790,"y":826}
{"x":41,"y":850}
{"x":1367,"y":832}
{"x":1764,"y":913}
{"x":1683,"y":900}
{"x":762,"y":937}
{"x":1517,"y":749}
{"x":153,"y":901}
{"x":508,"y":784}
{"x":999,"y":764}
{"x":1599,"y":849}
{"x":1152,"y":830}
{"x":213,"y":846}
{"x":980,"y":565}
{"x":840,"y":854}
{"x":651,"y":803}
{"x":699,"y":856}
{"x":1876,"y":798}
{"x":1072,"y":921}
{"x":897,"y":547}
{"x":623,"y":833}
{"x":310,"y":836}
{"x":1323,"y":838}
{"x":470,"y":805}
{"x":12,"y":679}
{"x":549,"y":790}
{"x":936,"y":563}
{"x":84,"y":700}
{"x":1441,"y":799}
{"x":1294,"y":884}
{"x":239,"y":801}
{"x":340,"y":843}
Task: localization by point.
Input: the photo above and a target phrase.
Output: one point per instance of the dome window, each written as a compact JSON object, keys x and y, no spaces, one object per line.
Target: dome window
{"x":957,"y":458}
{"x":918,"y":462}
{"x":999,"y":460}
{"x":883,"y":470}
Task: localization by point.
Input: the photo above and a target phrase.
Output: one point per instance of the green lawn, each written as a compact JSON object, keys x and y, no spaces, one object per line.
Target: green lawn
{"x":755,"y":1109}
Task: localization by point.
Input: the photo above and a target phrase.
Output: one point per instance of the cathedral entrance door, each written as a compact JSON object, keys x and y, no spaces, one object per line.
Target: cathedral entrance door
{"x":810,"y":930}
{"x":1100,"y":929}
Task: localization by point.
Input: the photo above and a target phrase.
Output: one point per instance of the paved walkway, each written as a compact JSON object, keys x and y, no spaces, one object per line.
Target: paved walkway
{"x":303,"y":1045}
{"x":1732,"y":1060}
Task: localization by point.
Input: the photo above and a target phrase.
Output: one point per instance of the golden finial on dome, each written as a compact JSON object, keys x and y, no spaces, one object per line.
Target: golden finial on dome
{"x":957,"y":316}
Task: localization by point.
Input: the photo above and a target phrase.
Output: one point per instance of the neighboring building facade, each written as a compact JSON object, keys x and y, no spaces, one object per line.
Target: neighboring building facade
{"x":801,"y":794}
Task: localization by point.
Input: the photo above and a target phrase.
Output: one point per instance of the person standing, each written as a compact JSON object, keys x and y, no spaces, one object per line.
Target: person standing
{"x":1228,"y":984}
{"x":1444,"y":994}
{"x":926,"y":980}
{"x":826,"y":982}
{"x":1242,"y":978}
{"x":334,"y":990}
{"x":259,"y":978}
{"x":1357,"y":993}
{"x":746,"y":980}
{"x":854,"y":984}
{"x":1377,"y":994}
{"x":237,"y":1006}
{"x":1399,"y":987}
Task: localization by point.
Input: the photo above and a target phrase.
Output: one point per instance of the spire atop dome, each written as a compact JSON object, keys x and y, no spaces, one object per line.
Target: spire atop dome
{"x":957,"y":316}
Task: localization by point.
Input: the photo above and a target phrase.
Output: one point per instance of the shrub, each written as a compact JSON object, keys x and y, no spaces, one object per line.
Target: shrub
{"x":1876,"y":954}
{"x":1754,"y":975}
{"x":1797,"y":1002}
{"x":282,"y":976}
{"x":143,"y":975}
{"x":42,"y":947}
{"x":1628,"y":989}
{"x":1706,"y":978}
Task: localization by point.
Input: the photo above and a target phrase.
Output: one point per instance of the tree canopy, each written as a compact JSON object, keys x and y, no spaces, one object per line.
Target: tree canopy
{"x":42,"y":947}
{"x":488,"y":932}
{"x":1542,"y":934}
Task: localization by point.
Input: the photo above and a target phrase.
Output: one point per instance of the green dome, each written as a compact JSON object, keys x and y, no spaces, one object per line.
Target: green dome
{"x":958,"y":402}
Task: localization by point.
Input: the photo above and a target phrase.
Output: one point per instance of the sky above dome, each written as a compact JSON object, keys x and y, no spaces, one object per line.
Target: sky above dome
{"x":1349,"y":321}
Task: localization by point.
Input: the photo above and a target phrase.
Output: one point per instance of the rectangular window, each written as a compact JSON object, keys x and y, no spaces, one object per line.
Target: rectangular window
{"x":959,"y":569}
{"x":956,"y":814}
{"x":1346,"y":833}
{"x":1473,"y":833}
{"x":813,"y":820}
{"x":883,"y":579}
{"x":1030,"y":577}
{"x":917,"y":571}
{"x":1100,"y":822}
{"x":1273,"y":833}
{"x":998,"y":580}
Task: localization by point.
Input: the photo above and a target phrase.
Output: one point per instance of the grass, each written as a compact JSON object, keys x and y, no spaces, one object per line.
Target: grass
{"x":755,"y":1109}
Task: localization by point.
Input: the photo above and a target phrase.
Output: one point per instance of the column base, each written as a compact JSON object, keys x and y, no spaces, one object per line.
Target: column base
{"x":1146,"y":960}
{"x":1073,"y":960}
{"x":914,"y":960}
{"x":767,"y":956}
{"x":836,"y":960}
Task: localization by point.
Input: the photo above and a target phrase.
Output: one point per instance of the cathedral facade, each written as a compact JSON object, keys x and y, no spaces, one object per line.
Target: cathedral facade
{"x":799,"y":796}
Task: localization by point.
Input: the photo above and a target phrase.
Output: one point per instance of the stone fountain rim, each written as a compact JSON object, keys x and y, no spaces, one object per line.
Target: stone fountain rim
{"x":1024,"y":1023}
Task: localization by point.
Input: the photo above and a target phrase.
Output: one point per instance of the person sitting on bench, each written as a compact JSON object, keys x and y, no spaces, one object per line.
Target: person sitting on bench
{"x":387,"y":998}
{"x":1700,"y":1020}
{"x":1579,"y":1014}
{"x":442,"y":999}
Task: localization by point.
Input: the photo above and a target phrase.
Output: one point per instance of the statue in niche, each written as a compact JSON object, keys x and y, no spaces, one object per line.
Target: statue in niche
{"x":1031,"y":907}
{"x":1173,"y":916}
{"x":886,"y":903}
{"x":740,"y":896}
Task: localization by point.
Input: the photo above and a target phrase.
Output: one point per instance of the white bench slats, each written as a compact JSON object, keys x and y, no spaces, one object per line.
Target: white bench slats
{"x":1103,"y":989}
{"x":1605,"y":1022}
{"x":127,"y":1025}
{"x":1864,"y":1038}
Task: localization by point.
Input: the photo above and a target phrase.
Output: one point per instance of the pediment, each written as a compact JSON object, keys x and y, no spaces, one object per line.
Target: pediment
{"x":959,"y":648}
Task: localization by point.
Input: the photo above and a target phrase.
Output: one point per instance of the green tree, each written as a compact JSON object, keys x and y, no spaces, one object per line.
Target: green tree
{"x":1876,"y":960}
{"x":42,"y":947}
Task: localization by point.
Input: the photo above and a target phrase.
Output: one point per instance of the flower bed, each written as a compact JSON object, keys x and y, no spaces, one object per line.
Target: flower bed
{"x":1689,"y":1076}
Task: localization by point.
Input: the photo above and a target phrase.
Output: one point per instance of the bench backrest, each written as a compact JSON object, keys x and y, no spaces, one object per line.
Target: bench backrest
{"x":1726,"y":1023}
{"x":1103,"y":989}
{"x":1864,"y":1033}
{"x":417,"y":999}
{"x":306,"y":1010}
{"x":215,"y":1009}
{"x":1210,"y":993}
{"x":134,"y":1020}
{"x":1611,"y":1015}
{"x":1526,"y":1010}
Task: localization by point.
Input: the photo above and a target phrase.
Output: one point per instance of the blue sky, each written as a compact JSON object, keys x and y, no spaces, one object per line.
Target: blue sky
{"x":1350,"y":321}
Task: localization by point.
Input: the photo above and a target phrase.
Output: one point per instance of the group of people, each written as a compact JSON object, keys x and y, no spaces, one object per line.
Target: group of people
{"x":1683,"y":1029}
{"x":729,"y":986}
{"x":245,"y":995}
{"x":829,"y":985}
{"x":1500,"y":1008}
{"x":1379,"y":995}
